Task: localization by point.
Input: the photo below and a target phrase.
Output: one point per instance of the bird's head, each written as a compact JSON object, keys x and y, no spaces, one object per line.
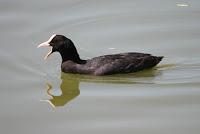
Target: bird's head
{"x":61,"y":44}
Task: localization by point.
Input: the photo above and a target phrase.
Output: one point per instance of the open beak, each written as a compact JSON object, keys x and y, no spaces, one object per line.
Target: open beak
{"x":46,"y":44}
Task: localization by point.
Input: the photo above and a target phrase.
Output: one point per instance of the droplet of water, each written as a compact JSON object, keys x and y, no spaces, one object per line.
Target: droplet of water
{"x":182,"y":5}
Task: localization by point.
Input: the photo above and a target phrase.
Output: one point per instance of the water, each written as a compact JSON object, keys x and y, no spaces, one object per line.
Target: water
{"x":35,"y":97}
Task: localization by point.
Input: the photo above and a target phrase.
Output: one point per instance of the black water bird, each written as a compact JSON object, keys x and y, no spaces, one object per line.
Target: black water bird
{"x":102,"y":65}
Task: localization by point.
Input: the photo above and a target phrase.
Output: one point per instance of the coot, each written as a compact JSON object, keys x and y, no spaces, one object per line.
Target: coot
{"x":102,"y":65}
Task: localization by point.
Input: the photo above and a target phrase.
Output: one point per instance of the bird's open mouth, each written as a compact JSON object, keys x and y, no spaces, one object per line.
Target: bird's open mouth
{"x":47,"y":44}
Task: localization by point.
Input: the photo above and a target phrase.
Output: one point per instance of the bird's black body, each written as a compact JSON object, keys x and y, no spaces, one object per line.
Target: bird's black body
{"x":112,"y":64}
{"x":102,"y":65}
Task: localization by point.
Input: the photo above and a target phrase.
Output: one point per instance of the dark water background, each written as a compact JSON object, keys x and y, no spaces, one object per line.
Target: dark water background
{"x":35,"y":97}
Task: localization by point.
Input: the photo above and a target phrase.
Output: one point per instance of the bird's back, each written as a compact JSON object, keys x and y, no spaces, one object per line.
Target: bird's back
{"x":121,"y":63}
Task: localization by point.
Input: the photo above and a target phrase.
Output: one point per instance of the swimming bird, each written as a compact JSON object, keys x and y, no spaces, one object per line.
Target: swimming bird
{"x":102,"y":65}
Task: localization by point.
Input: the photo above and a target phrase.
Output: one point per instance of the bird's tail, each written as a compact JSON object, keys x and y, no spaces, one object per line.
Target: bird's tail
{"x":159,"y":58}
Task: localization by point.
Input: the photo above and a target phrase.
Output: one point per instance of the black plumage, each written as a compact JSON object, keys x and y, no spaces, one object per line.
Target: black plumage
{"x":102,"y":65}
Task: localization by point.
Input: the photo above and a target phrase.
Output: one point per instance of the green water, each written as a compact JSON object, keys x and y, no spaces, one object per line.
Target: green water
{"x":35,"y":97}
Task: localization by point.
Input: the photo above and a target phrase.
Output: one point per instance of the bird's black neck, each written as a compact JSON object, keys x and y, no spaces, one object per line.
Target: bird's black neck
{"x":72,"y":55}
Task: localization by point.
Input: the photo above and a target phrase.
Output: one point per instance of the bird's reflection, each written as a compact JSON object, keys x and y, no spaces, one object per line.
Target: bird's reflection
{"x":69,"y":88}
{"x":70,"y":84}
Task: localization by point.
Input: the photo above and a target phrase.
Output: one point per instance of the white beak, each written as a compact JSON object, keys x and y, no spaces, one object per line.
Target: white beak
{"x":46,"y":44}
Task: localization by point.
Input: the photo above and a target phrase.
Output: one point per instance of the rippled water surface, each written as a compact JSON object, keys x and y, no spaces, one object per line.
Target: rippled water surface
{"x":35,"y":97}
